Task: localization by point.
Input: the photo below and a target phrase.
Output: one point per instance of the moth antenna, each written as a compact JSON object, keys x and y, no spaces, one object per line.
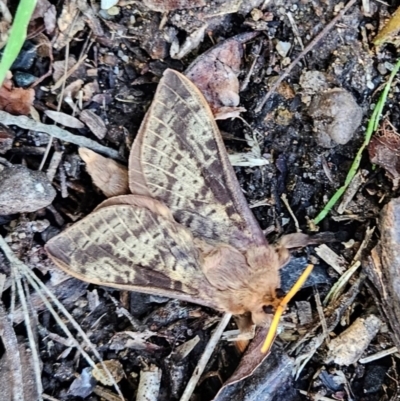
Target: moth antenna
{"x":282,"y":306}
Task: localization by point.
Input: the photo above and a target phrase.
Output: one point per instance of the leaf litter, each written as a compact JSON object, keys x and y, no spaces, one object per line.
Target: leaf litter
{"x":283,"y":131}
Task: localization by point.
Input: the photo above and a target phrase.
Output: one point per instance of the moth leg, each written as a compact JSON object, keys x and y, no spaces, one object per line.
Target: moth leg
{"x":245,"y":325}
{"x":246,"y":329}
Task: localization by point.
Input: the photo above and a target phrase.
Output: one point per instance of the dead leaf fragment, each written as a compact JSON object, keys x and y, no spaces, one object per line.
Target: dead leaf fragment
{"x":223,"y":113}
{"x":5,"y":23}
{"x":248,"y":159}
{"x":64,"y":119}
{"x":59,"y":69}
{"x":89,"y":90}
{"x":70,"y":22}
{"x":149,"y":384}
{"x":257,"y":374}
{"x":389,"y":33}
{"x":133,"y":340}
{"x":384,"y":150}
{"x":83,"y":385}
{"x":94,"y":122}
{"x":109,"y":176}
{"x":215,"y":72}
{"x":17,"y":101}
{"x":115,"y":368}
{"x":46,"y":11}
{"x":191,"y":42}
{"x":23,"y":190}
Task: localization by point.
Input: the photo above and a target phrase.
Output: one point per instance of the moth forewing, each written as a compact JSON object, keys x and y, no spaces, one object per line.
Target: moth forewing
{"x":179,"y":158}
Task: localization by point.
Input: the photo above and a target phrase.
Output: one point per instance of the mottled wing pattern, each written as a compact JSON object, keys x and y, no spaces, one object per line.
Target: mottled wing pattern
{"x":132,"y":248}
{"x":180,"y":159}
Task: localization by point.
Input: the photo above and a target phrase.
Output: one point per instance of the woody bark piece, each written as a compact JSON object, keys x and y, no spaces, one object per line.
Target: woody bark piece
{"x":384,"y":267}
{"x":108,"y":175}
{"x":149,"y":385}
{"x":270,"y":380}
{"x":348,"y":347}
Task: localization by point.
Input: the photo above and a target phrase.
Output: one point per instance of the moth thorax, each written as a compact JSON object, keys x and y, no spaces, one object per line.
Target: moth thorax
{"x":262,"y":299}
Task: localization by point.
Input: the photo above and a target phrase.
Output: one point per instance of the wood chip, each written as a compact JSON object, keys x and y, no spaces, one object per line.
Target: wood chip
{"x":94,"y":122}
{"x":348,"y":347}
{"x":335,"y":261}
{"x":23,"y":190}
{"x":149,"y":385}
{"x":64,"y":119}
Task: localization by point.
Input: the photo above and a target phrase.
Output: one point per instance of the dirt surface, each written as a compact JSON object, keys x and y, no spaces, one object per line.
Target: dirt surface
{"x":302,"y":142}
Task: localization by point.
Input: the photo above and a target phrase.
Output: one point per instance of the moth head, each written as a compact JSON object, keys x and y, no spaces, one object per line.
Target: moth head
{"x":246,"y":282}
{"x":263,"y":312}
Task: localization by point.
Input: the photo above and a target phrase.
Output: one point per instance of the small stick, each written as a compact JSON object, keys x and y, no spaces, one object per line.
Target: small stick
{"x":315,"y":397}
{"x":246,"y":79}
{"x":308,"y":48}
{"x":320,"y":311}
{"x":57,"y":132}
{"x":54,"y":163}
{"x":10,"y":342}
{"x":286,"y":202}
{"x":295,"y":29}
{"x":205,"y":357}
{"x":282,"y":306}
{"x":379,"y":355}
{"x":21,"y":268}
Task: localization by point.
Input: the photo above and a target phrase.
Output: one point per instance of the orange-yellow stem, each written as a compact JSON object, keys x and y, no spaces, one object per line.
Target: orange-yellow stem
{"x":282,"y":306}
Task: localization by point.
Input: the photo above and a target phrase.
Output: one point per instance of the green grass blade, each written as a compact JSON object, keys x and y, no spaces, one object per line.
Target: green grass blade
{"x":17,"y":36}
{"x":372,"y":127}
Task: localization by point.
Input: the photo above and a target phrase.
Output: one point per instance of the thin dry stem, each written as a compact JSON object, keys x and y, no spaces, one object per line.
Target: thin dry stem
{"x":57,"y":132}
{"x":10,"y":343}
{"x":308,"y":48}
{"x":31,"y":336}
{"x":205,"y":357}
{"x":21,"y":268}
{"x":38,"y":286}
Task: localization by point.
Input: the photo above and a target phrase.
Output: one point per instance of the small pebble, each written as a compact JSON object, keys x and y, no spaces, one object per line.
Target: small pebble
{"x":25,"y":58}
{"x":336,"y":116}
{"x":107,"y":4}
{"x":23,"y":190}
{"x":283,"y":48}
{"x":114,"y":367}
{"x":23,"y":79}
{"x":113,"y":11}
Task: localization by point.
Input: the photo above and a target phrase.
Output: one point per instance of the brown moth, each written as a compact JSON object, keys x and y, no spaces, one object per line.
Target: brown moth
{"x":186,"y":231}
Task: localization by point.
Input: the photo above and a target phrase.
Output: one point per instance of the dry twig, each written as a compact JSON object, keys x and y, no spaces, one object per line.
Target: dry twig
{"x":10,"y":343}
{"x":308,"y":48}
{"x":57,"y":132}
{"x":205,"y":357}
{"x":18,"y":268}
